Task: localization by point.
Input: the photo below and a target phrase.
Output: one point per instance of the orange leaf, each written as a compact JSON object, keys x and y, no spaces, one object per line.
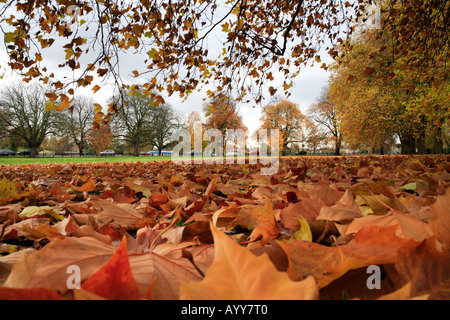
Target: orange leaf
{"x":114,"y":280}
{"x":88,"y":186}
{"x":28,"y":294}
{"x":371,"y":245}
{"x":96,"y":88}
{"x":267,"y":224}
{"x":236,"y":274}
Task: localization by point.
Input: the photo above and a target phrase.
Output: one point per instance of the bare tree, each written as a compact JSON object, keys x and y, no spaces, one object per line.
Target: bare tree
{"x":23,"y":114}
{"x":75,"y":123}
{"x":325,"y":114}
{"x":133,"y":119}
{"x":162,"y":125}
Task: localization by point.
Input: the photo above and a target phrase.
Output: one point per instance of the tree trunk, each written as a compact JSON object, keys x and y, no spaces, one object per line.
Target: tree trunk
{"x":33,"y":151}
{"x":408,"y":144}
{"x":337,"y":146}
{"x":438,"y":145}
{"x":136,"y":149}
{"x":420,"y":143}
{"x":80,"y":149}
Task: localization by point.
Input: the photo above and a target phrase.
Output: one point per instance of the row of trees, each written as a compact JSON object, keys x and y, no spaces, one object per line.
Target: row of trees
{"x":26,"y":117}
{"x":383,"y":89}
{"x":389,"y":85}
{"x":319,"y":126}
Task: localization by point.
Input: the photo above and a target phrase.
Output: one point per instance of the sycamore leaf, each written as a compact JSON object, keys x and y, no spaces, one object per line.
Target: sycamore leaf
{"x":287,"y":86}
{"x":345,"y":209}
{"x":87,"y":187}
{"x":114,"y":281}
{"x":266,"y":227}
{"x":9,"y":37}
{"x":153,"y":53}
{"x":47,"y":268}
{"x":50,"y":106}
{"x":98,"y":107}
{"x":28,"y":294}
{"x":32,"y":211}
{"x":410,"y":186}
{"x":371,"y":245}
{"x":96,"y":88}
{"x":426,"y":268}
{"x":123,"y":214}
{"x":441,"y":224}
{"x":8,"y":190}
{"x":81,"y":294}
{"x":237,"y":274}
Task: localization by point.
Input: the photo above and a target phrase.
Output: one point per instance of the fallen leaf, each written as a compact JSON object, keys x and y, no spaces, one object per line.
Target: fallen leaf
{"x":237,"y":274}
{"x":28,"y":294}
{"x":33,"y":211}
{"x":427,"y":269}
{"x":344,"y":210}
{"x":87,"y":187}
{"x":371,"y":245}
{"x":304,"y":233}
{"x":114,"y":281}
{"x":266,"y":228}
{"x":123,"y":214}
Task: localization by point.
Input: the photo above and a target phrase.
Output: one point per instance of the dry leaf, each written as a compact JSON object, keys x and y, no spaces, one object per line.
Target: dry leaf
{"x":237,"y":274}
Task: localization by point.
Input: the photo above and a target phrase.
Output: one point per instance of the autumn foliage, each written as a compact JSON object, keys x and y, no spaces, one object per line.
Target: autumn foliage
{"x":160,"y":230}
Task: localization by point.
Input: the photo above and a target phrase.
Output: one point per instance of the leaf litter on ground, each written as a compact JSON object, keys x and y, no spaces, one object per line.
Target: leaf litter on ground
{"x":162,"y":230}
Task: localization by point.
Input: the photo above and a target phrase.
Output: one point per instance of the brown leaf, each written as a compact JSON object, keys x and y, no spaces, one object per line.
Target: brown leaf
{"x":425,"y":267}
{"x":237,"y":274}
{"x":123,"y":214}
{"x":371,"y":245}
{"x":344,"y":210}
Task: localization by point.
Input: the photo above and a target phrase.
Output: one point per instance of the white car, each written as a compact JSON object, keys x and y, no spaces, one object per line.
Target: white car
{"x":107,"y":153}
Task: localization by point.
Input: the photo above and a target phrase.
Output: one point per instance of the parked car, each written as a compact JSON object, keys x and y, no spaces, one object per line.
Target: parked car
{"x":196,"y":153}
{"x":4,"y":152}
{"x":301,"y":153}
{"x":108,"y":152}
{"x":26,"y":152}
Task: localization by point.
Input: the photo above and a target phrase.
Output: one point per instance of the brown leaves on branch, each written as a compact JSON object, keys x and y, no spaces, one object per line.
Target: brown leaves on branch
{"x":159,"y":230}
{"x":172,"y":40}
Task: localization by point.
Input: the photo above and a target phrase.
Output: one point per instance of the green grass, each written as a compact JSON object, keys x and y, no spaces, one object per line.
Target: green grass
{"x":17,"y":160}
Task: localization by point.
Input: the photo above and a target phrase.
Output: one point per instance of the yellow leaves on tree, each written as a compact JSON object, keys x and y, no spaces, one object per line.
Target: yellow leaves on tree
{"x":287,"y":118}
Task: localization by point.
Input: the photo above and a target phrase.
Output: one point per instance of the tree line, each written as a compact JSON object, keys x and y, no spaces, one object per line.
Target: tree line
{"x":27,"y":118}
{"x":389,"y":79}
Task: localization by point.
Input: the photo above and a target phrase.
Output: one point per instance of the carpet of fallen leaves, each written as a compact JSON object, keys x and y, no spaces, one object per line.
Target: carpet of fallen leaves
{"x":160,"y":230}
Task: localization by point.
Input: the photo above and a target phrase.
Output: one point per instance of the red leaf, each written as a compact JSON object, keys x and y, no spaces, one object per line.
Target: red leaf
{"x":28,"y":294}
{"x":114,"y":281}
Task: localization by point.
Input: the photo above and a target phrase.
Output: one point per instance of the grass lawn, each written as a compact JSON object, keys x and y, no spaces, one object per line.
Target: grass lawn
{"x":12,"y":160}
